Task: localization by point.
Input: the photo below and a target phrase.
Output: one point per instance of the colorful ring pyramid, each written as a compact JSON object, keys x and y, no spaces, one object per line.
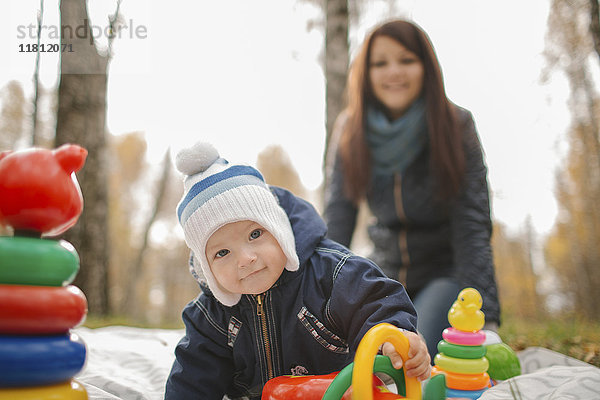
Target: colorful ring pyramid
{"x":461,"y":352}
{"x":39,"y":354}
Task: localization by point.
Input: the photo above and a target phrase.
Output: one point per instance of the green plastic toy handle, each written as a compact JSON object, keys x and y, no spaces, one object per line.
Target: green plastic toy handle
{"x":343,"y":380}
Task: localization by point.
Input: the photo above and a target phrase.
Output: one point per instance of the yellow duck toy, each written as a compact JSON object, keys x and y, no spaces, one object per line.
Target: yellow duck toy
{"x":465,"y":313}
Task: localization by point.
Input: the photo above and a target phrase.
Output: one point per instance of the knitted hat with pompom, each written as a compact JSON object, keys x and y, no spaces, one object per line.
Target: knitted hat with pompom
{"x":217,"y":193}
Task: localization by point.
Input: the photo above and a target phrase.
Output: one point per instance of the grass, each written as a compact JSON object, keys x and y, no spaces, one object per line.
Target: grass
{"x":94,"y":321}
{"x":574,"y":337}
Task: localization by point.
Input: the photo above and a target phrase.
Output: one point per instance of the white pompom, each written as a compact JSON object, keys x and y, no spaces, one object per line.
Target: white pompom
{"x":196,"y":159}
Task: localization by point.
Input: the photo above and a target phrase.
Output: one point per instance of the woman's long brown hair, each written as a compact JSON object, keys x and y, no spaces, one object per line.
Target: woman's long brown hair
{"x":445,"y":139}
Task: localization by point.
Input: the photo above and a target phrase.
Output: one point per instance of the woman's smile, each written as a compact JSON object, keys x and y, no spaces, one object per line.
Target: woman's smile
{"x":396,"y":75}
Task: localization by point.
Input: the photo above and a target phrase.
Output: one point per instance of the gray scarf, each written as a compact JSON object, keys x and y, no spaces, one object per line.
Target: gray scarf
{"x":394,"y":145}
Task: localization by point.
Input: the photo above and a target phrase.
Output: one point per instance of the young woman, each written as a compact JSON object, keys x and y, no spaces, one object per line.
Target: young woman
{"x":416,"y":159}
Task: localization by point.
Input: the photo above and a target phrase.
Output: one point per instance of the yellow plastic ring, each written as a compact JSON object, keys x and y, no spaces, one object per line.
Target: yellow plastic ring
{"x":71,"y":390}
{"x":461,"y":366}
{"x":365,"y":357}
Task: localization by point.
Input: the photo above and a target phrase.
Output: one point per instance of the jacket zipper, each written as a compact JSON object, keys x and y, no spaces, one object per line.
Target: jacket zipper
{"x":265,"y":333}
{"x":402,"y":235}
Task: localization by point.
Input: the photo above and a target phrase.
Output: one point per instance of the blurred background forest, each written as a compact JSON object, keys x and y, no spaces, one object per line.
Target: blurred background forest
{"x":133,"y":257}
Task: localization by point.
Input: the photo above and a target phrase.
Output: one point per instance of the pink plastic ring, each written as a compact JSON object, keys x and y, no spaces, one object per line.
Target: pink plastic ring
{"x":456,"y":336}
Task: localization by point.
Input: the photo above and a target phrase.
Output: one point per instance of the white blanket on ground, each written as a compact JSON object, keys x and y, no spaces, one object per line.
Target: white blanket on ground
{"x":133,"y":364}
{"x":127,"y":363}
{"x":548,"y":375}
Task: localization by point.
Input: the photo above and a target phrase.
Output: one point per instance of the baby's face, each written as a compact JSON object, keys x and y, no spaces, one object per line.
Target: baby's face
{"x":245,"y":258}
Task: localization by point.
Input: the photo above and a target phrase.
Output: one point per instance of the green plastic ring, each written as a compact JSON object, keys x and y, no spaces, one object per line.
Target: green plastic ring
{"x":460,"y":351}
{"x":32,"y":261}
{"x":461,"y":366}
{"x":343,"y":379}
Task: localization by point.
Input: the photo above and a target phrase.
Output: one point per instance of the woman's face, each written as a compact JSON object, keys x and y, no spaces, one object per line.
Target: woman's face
{"x":396,"y":75}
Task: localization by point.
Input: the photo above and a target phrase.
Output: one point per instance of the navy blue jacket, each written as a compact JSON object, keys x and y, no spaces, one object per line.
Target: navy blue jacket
{"x":310,"y":322}
{"x":417,"y":238}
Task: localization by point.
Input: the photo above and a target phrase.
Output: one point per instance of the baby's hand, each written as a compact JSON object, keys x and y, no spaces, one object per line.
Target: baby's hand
{"x":419,"y":362}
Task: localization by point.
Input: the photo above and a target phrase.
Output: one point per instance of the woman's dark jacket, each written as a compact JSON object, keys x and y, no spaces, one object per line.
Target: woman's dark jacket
{"x":311,"y":320}
{"x":416,"y":234}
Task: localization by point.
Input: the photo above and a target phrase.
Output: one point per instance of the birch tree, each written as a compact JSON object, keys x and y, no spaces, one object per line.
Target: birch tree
{"x":81,"y":119}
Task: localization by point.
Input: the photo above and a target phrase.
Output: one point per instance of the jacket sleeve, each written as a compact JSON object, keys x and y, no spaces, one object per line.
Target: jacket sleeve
{"x":362,"y":297}
{"x":339,"y":213}
{"x":203,"y":366}
{"x":472,"y":227}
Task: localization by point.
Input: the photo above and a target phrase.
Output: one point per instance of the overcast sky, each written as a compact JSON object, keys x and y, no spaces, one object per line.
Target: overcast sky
{"x":246,"y":74}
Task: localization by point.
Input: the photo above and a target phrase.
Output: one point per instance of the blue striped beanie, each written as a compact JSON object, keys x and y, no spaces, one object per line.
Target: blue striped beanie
{"x":217,"y":193}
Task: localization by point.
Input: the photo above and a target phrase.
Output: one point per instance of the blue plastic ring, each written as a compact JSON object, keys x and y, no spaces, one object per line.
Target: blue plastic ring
{"x":40,"y":360}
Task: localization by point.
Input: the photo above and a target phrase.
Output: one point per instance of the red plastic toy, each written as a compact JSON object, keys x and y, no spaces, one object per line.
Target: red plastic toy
{"x":313,"y":387}
{"x":40,"y":196}
{"x":39,"y":192}
{"x":40,"y":310}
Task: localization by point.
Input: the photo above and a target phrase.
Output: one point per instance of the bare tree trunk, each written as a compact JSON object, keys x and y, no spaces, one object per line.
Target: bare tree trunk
{"x":587,"y":271}
{"x":595,"y":25}
{"x":569,"y":48}
{"x":131,"y":301}
{"x":531,"y":286}
{"x":336,"y":60}
{"x":587,"y":126}
{"x":81,"y":119}
{"x":584,"y":107}
{"x":12,"y":115}
{"x":36,"y":80}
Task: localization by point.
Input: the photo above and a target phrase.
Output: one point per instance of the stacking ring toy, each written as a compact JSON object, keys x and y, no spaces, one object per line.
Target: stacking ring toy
{"x":466,"y":366}
{"x":463,"y":381}
{"x":464,"y":394}
{"x":32,"y":261}
{"x":365,"y":357}
{"x":456,"y":336}
{"x":40,"y":309}
{"x":71,"y":390}
{"x":460,"y":351}
{"x":39,"y":360}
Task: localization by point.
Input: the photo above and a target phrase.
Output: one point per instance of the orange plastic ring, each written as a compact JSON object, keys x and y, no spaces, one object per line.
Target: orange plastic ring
{"x":463,"y":381}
